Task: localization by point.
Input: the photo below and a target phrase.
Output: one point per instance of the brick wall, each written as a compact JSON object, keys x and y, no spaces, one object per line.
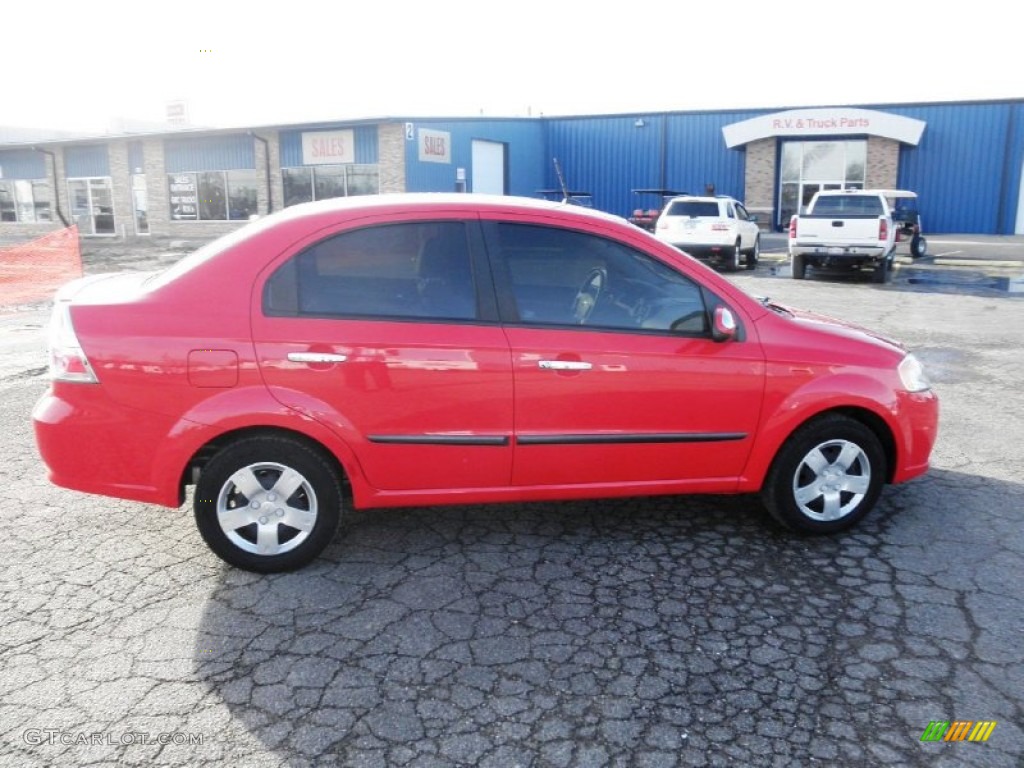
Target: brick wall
{"x":883,"y":164}
{"x":391,"y":157}
{"x":759,"y":181}
{"x":121,"y":182}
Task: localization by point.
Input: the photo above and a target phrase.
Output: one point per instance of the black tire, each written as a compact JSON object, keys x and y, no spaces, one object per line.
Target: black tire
{"x":314,"y":504}
{"x":795,"y":494}
{"x":799,"y":267}
{"x":732,"y":259}
{"x":754,"y":254}
{"x":882,"y":269}
{"x":918,"y":246}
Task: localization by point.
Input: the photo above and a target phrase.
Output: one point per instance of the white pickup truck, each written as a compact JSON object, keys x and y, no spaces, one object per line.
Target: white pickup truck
{"x":853,"y":228}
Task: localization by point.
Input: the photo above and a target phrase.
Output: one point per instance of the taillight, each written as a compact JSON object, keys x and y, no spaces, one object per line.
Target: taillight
{"x":67,"y":360}
{"x":883,"y":229}
{"x":792,"y":228}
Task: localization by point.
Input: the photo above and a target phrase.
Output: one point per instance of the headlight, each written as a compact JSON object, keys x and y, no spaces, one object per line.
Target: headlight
{"x":912,"y":375}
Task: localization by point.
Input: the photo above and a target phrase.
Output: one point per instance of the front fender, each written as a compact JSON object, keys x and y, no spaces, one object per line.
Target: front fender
{"x":786,"y":409}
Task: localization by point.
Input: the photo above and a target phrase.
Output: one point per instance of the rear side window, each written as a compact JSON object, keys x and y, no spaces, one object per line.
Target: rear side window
{"x":414,"y":270}
{"x":693,"y":208}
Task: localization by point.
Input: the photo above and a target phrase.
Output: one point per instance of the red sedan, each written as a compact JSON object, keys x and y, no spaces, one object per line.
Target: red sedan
{"x":440,"y":349}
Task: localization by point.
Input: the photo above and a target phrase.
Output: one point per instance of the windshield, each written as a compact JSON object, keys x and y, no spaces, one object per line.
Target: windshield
{"x":693,"y":208}
{"x":853,"y":205}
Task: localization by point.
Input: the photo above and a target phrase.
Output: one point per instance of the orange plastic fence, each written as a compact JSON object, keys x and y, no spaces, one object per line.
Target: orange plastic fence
{"x":33,"y":271}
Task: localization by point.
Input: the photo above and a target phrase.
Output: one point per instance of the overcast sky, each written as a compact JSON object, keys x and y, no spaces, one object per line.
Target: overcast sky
{"x":79,"y":65}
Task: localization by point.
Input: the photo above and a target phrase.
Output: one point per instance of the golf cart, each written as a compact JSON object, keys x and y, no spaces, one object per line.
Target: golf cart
{"x":907,"y":219}
{"x":647,"y":218}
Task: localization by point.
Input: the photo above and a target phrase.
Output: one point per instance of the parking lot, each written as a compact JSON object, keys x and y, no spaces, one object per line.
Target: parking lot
{"x":638,"y":632}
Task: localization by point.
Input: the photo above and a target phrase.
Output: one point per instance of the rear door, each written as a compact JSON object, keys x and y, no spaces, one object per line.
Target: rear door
{"x":387,"y":333}
{"x":616,"y":377}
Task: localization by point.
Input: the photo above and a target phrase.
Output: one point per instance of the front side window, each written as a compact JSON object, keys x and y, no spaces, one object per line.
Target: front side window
{"x":566,"y":278}
{"x":416,"y":270}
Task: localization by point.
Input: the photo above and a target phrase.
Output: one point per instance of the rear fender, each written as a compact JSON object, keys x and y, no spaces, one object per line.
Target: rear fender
{"x":238,"y":409}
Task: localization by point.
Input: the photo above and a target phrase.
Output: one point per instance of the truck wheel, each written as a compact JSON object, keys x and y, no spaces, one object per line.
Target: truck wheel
{"x":918,"y":246}
{"x":732,"y":262}
{"x":826,"y":477}
{"x":754,"y":254}
{"x":882,"y":270}
{"x":799,"y":267}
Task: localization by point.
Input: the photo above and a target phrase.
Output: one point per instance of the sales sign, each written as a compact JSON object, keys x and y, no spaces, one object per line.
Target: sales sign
{"x":328,"y":147}
{"x":184,"y":197}
{"x":435,"y":146}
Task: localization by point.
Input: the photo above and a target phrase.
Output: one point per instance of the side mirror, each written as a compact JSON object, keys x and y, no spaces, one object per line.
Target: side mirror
{"x":754,"y":218}
{"x":723,"y":327}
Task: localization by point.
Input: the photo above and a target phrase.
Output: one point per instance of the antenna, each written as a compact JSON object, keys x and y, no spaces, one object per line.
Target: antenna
{"x":561,"y":180}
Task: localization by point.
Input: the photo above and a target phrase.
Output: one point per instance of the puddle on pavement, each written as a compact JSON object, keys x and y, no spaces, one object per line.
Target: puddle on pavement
{"x":953,"y":280}
{"x":963,"y":278}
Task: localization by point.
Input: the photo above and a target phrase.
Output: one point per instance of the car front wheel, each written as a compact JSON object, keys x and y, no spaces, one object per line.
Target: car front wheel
{"x":826,"y":477}
{"x":268,"y":503}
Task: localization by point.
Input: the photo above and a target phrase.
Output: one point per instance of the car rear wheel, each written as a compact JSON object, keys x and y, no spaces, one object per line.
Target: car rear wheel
{"x":826,"y":477}
{"x":268,"y":503}
{"x":732,"y":258}
{"x":754,"y":254}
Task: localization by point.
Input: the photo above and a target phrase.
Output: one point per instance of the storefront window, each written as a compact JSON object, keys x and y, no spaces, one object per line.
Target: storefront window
{"x":301,"y":185}
{"x":92,"y":205}
{"x":329,"y":181}
{"x":25,"y":200}
{"x":241,"y":194}
{"x":808,"y":167}
{"x":363,"y":180}
{"x":7,"y":209}
{"x":213,"y":195}
{"x":298,"y":185}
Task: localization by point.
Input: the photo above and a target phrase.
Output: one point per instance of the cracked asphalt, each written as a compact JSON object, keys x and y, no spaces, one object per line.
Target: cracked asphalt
{"x":651,"y":632}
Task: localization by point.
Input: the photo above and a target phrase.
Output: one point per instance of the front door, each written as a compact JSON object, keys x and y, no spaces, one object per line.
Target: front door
{"x":616,"y":377}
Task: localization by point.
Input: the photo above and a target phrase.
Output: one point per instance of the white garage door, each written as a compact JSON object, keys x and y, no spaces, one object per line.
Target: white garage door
{"x":488,"y":167}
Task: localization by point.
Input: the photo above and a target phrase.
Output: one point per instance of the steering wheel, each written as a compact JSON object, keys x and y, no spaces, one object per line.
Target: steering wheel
{"x":586,"y":297}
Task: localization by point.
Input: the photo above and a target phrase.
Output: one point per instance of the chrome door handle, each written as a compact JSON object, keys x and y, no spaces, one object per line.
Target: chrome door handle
{"x":564,"y":365}
{"x":316,"y":357}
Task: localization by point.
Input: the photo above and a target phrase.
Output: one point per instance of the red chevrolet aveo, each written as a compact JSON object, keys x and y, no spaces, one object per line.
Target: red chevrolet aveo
{"x":440,"y":349}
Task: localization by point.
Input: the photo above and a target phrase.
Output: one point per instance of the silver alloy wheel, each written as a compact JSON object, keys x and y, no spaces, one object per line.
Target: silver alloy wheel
{"x":831,"y":480}
{"x":267,"y":508}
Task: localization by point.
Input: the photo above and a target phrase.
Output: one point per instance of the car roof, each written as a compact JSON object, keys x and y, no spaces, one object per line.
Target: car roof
{"x":433,"y":200}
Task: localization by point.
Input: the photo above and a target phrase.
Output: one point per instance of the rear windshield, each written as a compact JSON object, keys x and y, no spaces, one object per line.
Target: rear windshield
{"x":693,"y":208}
{"x":856,"y":205}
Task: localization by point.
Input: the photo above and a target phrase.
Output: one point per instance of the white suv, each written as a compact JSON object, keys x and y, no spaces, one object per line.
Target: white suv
{"x":712,"y":228}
